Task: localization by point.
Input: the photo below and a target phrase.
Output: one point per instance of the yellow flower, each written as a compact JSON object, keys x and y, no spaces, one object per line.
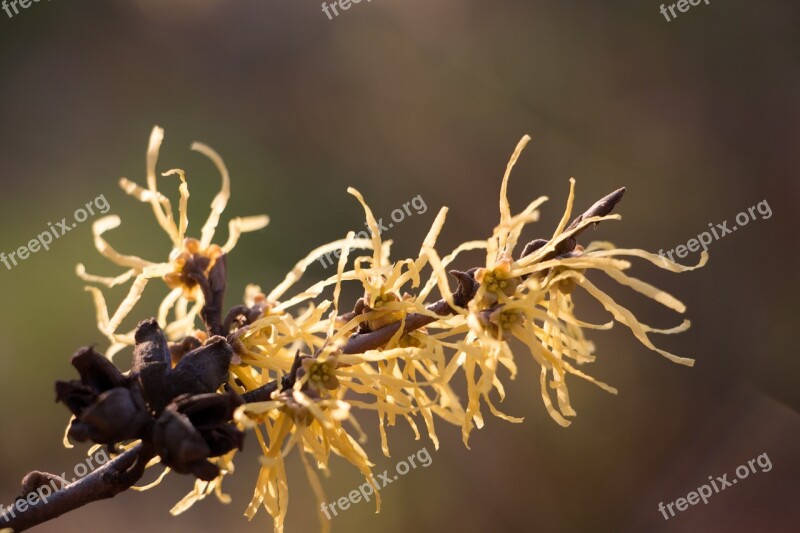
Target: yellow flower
{"x":394,"y":377}
{"x":294,"y":419}
{"x":535,"y":304}
{"x":321,"y":374}
{"x":497,"y":283}
{"x":191,"y":258}
{"x":187,"y":253}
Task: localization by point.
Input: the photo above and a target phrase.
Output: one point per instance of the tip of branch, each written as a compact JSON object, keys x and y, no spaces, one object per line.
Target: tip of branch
{"x":605,"y":204}
{"x":600,"y":208}
{"x":617,"y":195}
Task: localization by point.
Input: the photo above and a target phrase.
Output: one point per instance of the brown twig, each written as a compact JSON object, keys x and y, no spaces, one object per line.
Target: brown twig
{"x":116,"y":476}
{"x":213,"y":287}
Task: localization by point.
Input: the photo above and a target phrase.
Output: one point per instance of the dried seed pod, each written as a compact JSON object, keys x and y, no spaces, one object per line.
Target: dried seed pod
{"x":118,"y":414}
{"x":178,"y":349}
{"x":202,"y":370}
{"x":108,"y":407}
{"x":151,"y":363}
{"x":193,"y":429}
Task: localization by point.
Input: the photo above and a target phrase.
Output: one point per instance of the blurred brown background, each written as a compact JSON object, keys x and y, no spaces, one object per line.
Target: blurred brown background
{"x":698,"y":117}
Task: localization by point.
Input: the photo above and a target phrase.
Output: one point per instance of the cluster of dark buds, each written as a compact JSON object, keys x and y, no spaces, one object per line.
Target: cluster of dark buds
{"x":169,"y":400}
{"x":175,"y":411}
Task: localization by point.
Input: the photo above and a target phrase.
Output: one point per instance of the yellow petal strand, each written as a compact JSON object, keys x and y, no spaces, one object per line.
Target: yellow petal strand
{"x":373,"y":227}
{"x":135,"y":292}
{"x":658,"y":260}
{"x":195,"y":495}
{"x":496,"y":412}
{"x":626,"y":317}
{"x":568,"y":211}
{"x":664,"y":298}
{"x":183,"y":205}
{"x":66,"y":442}
{"x":283,"y":496}
{"x":680,"y":328}
{"x":397,"y":334}
{"x":220,"y":200}
{"x":140,"y":193}
{"x":167,"y":304}
{"x":562,"y":395}
{"x":109,"y":282}
{"x":102,"y":225}
{"x":163,"y":213}
{"x":446,"y":260}
{"x":240,"y":225}
{"x":548,"y":403}
{"x":505,"y":207}
{"x":101,"y":309}
{"x":430,"y":238}
{"x":441,"y":278}
{"x":572,"y":370}
{"x":514,"y":228}
{"x":299,"y":269}
{"x":259,"y":494}
{"x":155,"y":483}
{"x":337,"y":290}
{"x":319,"y":493}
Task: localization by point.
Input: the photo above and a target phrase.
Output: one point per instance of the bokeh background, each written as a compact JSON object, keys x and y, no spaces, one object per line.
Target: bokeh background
{"x":698,"y":117}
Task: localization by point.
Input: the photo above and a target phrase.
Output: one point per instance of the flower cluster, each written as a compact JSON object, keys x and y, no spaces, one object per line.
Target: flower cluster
{"x":292,"y":366}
